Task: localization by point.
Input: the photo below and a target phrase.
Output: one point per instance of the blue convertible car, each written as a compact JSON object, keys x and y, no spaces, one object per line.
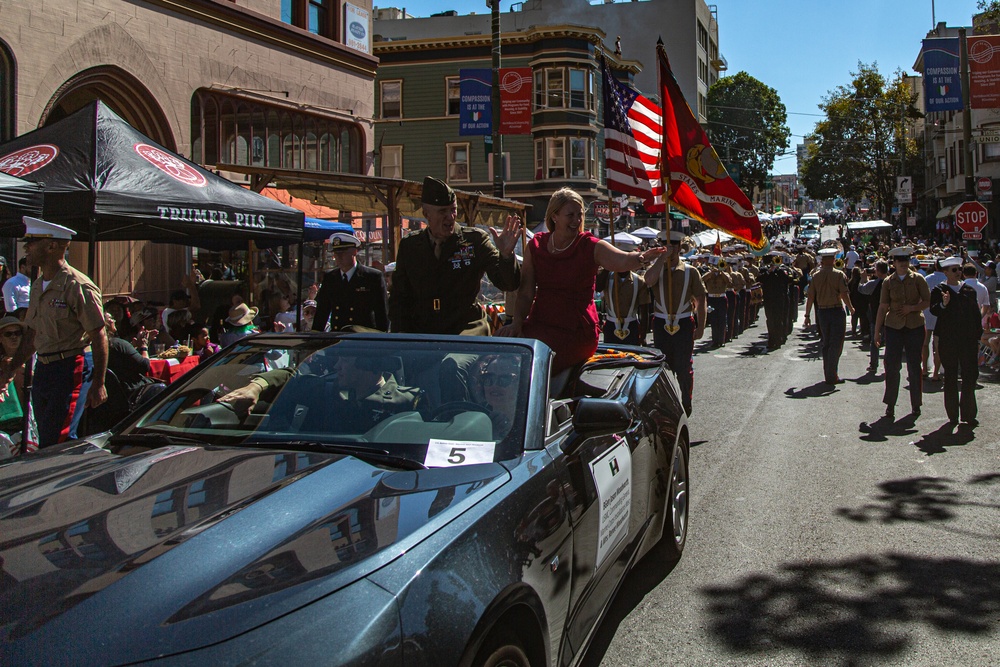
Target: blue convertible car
{"x":348,"y":500}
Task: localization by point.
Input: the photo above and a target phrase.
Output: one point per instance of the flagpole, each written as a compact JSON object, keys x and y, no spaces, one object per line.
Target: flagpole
{"x":666,"y":208}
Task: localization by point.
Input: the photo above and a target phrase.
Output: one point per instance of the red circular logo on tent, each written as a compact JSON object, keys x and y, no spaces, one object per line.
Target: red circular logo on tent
{"x":171,"y":165}
{"x":27,"y":160}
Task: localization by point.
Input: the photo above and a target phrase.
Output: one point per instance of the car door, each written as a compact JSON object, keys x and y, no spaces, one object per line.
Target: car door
{"x":608,"y":508}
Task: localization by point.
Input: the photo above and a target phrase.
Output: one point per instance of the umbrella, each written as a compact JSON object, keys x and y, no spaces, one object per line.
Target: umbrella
{"x":320,"y":230}
{"x":645,"y":232}
{"x":106,"y":180}
{"x":623,"y":237}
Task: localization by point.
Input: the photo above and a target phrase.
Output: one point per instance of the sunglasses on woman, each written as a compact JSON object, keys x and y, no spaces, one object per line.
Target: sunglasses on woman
{"x":12,"y":334}
{"x":499,"y":379}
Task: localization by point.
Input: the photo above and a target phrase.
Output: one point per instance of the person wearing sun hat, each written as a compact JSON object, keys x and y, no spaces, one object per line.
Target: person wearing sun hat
{"x":352,"y":293}
{"x":959,"y":328}
{"x":239,"y":321}
{"x":901,"y":310}
{"x":65,"y":329}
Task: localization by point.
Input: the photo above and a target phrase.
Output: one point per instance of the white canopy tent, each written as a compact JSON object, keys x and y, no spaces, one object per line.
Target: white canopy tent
{"x":868,"y":224}
{"x":707,"y":237}
{"x":645,"y":232}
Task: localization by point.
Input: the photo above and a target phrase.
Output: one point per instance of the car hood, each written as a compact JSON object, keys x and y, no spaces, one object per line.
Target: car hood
{"x":122,"y":558}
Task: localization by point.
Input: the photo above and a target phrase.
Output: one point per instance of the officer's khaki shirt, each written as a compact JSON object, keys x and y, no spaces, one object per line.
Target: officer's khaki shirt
{"x":717,"y":282}
{"x":908,"y":291}
{"x":826,"y":287}
{"x":62,"y":314}
{"x":739,"y":282}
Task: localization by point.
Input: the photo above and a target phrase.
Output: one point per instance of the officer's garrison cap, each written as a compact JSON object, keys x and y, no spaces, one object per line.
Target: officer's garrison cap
{"x":436,"y":193}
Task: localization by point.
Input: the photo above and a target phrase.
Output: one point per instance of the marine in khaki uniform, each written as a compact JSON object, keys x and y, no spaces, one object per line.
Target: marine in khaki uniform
{"x":716,"y":283}
{"x":439,"y":269}
{"x":65,"y":328}
{"x":679,"y":301}
{"x":903,"y":299}
{"x":828,"y":290}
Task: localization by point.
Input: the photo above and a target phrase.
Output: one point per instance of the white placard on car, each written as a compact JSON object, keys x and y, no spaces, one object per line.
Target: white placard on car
{"x":450,"y":453}
{"x":612,"y":473}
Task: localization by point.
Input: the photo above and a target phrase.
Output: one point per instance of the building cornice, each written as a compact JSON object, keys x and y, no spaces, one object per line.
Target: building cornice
{"x":237,"y":20}
{"x":534,"y":34}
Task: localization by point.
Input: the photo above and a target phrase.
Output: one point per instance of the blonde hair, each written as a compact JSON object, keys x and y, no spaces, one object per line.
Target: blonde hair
{"x":560,"y":198}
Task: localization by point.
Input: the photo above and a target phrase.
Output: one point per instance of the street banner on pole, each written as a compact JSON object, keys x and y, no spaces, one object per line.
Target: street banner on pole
{"x":515,"y":100}
{"x":475,"y":108}
{"x":942,"y":83}
{"x":984,"y":72}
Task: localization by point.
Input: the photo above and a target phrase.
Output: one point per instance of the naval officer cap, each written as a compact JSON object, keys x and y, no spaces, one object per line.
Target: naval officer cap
{"x":672,"y":236}
{"x":827,"y":252}
{"x":436,"y":193}
{"x":901,"y":252}
{"x":951,"y":261}
{"x":344,"y":241}
{"x":35,"y":228}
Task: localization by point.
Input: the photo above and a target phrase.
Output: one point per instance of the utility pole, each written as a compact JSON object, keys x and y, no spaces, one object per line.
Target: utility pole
{"x":970,"y":179}
{"x":498,"y":170}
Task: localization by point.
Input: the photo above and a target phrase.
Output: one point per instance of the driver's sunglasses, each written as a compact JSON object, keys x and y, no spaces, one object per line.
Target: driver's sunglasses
{"x":499,"y":379}
{"x":12,"y":334}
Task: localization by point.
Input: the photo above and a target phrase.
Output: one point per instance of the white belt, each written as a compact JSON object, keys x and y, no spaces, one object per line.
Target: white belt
{"x":679,"y":316}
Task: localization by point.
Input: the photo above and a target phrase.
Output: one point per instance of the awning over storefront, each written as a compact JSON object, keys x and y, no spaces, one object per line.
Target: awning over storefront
{"x":945,"y":212}
{"x":392,"y":197}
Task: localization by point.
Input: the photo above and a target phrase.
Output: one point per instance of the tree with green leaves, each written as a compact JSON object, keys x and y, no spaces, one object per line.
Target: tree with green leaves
{"x":855,"y":151}
{"x":747,"y":125}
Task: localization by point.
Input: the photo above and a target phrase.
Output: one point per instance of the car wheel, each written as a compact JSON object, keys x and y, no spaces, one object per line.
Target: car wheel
{"x":503,"y":651}
{"x":676,"y":506}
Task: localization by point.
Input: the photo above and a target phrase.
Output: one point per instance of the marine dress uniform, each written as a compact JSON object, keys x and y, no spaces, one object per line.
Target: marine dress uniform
{"x":435,"y":292}
{"x":624,"y":296}
{"x":357,"y":297}
{"x":716,"y":283}
{"x":674,"y":322}
{"x":61,"y":312}
{"x":739,"y":299}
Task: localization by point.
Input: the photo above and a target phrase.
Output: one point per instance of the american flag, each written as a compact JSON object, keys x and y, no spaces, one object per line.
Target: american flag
{"x":632,"y":138}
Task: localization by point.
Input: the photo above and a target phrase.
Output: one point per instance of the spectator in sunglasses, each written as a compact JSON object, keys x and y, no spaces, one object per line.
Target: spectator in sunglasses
{"x":498,"y":380}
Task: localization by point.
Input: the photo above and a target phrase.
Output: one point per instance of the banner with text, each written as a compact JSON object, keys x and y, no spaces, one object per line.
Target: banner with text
{"x":475,"y":111}
{"x":515,"y":100}
{"x":984,"y":72}
{"x":942,"y":83}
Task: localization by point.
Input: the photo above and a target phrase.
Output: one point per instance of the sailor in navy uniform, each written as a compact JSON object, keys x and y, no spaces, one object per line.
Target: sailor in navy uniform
{"x":351,"y":294}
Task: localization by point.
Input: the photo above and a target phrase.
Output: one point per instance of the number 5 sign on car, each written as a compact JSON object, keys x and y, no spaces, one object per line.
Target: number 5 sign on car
{"x":449,"y":453}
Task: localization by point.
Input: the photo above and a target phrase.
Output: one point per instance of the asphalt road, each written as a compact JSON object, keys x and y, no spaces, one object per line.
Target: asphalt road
{"x":812,"y":542}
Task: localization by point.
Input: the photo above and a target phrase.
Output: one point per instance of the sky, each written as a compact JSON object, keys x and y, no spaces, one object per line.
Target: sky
{"x":802,"y":48}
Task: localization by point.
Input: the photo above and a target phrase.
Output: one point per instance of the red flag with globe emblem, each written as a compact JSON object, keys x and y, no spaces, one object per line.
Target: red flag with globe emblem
{"x":696,"y":180}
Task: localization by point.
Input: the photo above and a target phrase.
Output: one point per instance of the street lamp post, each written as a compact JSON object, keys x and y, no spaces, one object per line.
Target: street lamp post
{"x":498,"y":174}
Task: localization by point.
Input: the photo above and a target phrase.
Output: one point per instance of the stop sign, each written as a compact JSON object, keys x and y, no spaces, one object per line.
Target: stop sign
{"x":971,"y":217}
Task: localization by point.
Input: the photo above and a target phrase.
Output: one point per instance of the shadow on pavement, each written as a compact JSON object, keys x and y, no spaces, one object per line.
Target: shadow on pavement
{"x":697,"y":442}
{"x":881,"y":428}
{"x":817,"y":390}
{"x":644,"y":577}
{"x":923,"y":500}
{"x":947,"y":435}
{"x":852,"y":610}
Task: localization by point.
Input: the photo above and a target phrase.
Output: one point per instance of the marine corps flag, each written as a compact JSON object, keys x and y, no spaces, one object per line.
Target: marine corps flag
{"x":695,"y":178}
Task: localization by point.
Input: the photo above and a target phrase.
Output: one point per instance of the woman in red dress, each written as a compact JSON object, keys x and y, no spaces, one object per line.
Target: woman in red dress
{"x":555,"y":302}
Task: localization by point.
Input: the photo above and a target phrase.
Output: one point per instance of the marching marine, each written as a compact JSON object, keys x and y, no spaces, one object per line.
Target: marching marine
{"x":717,"y":282}
{"x":626,"y":299}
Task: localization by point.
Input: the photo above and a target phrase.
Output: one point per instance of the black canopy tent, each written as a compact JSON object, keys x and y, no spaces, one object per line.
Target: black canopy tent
{"x":108,"y":181}
{"x":18,"y":198}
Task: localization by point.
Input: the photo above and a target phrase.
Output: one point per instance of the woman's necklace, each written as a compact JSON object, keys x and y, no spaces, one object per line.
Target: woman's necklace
{"x":556,"y":249}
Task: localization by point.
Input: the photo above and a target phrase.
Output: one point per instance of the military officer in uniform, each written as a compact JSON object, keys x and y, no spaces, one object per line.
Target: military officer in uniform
{"x":351,"y":294}
{"x":716,"y":283}
{"x":903,"y":299}
{"x":828,"y":291}
{"x":958,"y":329}
{"x":774,"y":285}
{"x":679,"y":300}
{"x":626,"y":298}
{"x":739,"y":284}
{"x":65,"y":327}
{"x":439,"y":269}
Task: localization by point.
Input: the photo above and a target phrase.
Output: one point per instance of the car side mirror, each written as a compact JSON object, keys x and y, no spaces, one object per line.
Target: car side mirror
{"x":600,"y":416}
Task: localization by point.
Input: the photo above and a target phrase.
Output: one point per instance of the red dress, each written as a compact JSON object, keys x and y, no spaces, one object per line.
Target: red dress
{"x":563,"y":314}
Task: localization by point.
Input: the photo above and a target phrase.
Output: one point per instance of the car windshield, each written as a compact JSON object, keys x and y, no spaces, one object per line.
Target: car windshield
{"x":424,"y":401}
